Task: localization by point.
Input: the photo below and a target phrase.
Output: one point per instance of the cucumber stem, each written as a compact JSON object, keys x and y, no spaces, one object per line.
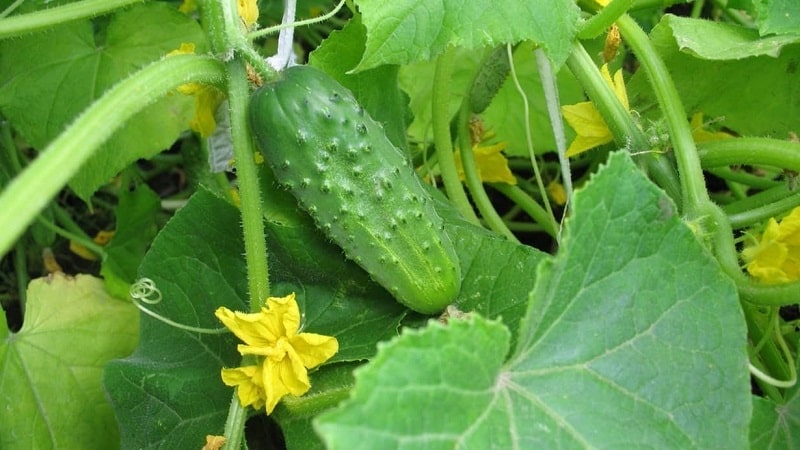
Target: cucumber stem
{"x":473,"y":178}
{"x":693,"y":189}
{"x":443,"y":141}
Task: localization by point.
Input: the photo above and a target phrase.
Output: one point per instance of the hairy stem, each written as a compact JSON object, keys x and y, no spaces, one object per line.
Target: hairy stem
{"x":693,"y":188}
{"x":443,"y":141}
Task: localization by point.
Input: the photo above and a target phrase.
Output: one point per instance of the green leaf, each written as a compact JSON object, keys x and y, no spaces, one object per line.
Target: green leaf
{"x":169,"y":393}
{"x":441,"y":378}
{"x":634,"y":312}
{"x":332,"y":383}
{"x":497,"y":274}
{"x":41,"y":95}
{"x":774,"y":426}
{"x":723,"y":41}
{"x":136,"y":228}
{"x":741,"y":93}
{"x":778,"y":16}
{"x":50,"y":370}
{"x":406,"y":31}
{"x":631,"y":327}
{"x":375,"y":89}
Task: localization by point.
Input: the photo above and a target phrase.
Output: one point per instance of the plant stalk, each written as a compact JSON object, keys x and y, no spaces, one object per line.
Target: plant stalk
{"x":443,"y":141}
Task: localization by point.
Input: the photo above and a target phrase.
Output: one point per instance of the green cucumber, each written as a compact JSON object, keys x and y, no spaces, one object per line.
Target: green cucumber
{"x":360,"y":189}
{"x":493,"y":72}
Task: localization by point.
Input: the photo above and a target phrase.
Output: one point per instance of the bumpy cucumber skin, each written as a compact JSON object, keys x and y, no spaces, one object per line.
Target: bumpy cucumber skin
{"x":359,"y":188}
{"x":489,"y":79}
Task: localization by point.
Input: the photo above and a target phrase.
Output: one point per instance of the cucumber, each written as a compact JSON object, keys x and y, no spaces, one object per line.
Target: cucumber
{"x":493,"y":72}
{"x":361,"y":190}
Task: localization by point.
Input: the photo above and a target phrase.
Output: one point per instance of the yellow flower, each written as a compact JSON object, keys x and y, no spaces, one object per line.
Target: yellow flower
{"x":186,"y":48}
{"x":248,"y":11}
{"x":206,"y":98}
{"x":188,"y":6}
{"x":700,"y":134}
{"x":206,"y":102}
{"x":585,"y":119}
{"x":492,"y":164}
{"x":250,"y":381}
{"x":775,"y":258}
{"x":557,"y":192}
{"x":101,"y":238}
{"x":284,"y":354}
{"x":214,"y":442}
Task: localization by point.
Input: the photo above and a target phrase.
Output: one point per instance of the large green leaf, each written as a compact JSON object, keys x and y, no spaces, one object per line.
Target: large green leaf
{"x":756,"y":95}
{"x":50,"y":371}
{"x":778,"y":16}
{"x":74,"y":65}
{"x":634,"y":339}
{"x":723,"y":41}
{"x":405,"y":31}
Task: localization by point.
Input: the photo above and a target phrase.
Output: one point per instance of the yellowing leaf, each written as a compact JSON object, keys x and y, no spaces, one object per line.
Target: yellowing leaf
{"x":51,"y":370}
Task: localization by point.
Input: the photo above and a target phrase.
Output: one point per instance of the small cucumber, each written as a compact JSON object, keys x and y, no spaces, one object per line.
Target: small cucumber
{"x":360,"y":189}
{"x":493,"y":72}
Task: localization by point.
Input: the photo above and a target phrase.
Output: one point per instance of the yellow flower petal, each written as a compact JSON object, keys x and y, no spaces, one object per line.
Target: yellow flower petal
{"x":250,"y":328}
{"x":206,"y":98}
{"x":214,"y":442}
{"x":491,"y":163}
{"x":588,"y":124}
{"x":557,"y":192}
{"x":287,"y":314}
{"x":775,"y":257}
{"x":186,"y":48}
{"x":249,"y":383}
{"x":586,"y":120}
{"x":206,"y":101}
{"x":188,"y":6}
{"x":699,"y":132}
{"x":314,"y":349}
{"x":618,"y":84}
{"x":101,"y":238}
{"x":248,"y":11}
